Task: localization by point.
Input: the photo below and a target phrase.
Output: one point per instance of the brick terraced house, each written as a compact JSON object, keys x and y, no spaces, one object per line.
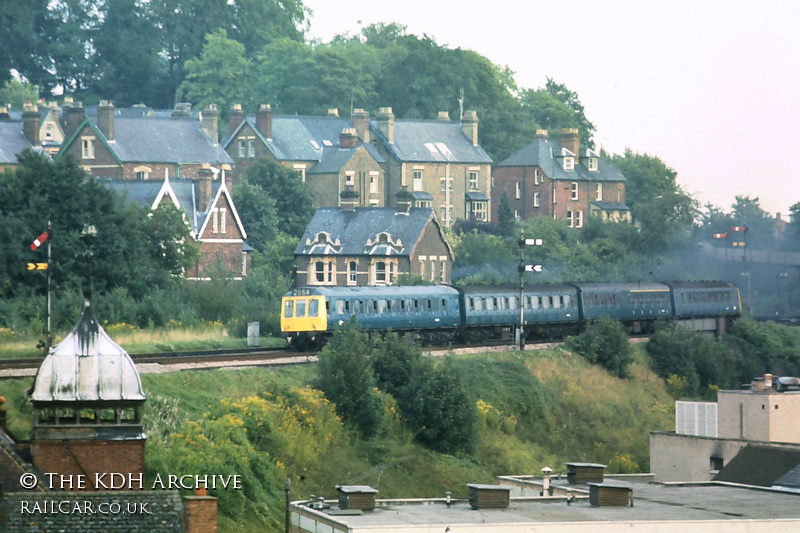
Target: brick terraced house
{"x":559,"y":179}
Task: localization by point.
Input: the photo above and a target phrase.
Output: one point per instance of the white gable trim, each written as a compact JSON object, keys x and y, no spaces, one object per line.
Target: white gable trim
{"x":223,"y":190}
{"x":166,"y":190}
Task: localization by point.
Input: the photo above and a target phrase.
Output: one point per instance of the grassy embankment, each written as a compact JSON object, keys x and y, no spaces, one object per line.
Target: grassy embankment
{"x":536,"y":409}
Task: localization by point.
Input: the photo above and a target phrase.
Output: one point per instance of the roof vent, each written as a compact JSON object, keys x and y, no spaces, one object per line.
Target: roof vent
{"x":610,"y":494}
{"x":582,"y":473}
{"x":356,"y":497}
{"x":489,"y":496}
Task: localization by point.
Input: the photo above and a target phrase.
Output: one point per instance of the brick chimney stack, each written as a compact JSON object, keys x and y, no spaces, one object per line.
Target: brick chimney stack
{"x":210,"y":120}
{"x":404,"y":200}
{"x":469,"y":125}
{"x":361,"y":124}
{"x":570,"y":139}
{"x":386,"y":123}
{"x":235,"y":117}
{"x":181,"y":110}
{"x":264,"y":120}
{"x":348,"y":138}
{"x":105,"y":119}
{"x":73,"y":116}
{"x":206,"y":176}
{"x":541,"y":134}
{"x":30,"y":123}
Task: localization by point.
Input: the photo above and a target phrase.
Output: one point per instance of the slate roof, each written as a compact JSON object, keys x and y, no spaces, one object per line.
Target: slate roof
{"x":431,"y":141}
{"x":306,"y":138}
{"x":163,"y":140}
{"x":354,"y":228}
{"x":545,"y":153}
{"x":759,"y":465}
{"x":145,"y":193}
{"x":12,"y":141}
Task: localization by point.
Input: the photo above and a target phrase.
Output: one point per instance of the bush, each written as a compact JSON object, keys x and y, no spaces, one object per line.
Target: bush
{"x":605,"y":343}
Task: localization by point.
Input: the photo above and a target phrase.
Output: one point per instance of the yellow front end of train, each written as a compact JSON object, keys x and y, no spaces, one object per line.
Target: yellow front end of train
{"x":303,"y":317}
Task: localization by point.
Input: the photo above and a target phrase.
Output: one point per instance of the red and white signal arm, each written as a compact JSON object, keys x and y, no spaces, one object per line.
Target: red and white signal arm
{"x":739,"y":228}
{"x":720,"y":235}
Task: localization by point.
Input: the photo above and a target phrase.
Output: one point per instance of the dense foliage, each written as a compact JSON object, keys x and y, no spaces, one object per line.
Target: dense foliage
{"x":605,"y":343}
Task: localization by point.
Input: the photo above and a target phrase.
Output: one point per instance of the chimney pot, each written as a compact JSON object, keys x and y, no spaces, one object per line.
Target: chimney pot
{"x":348,"y":138}
{"x":333,"y":112}
{"x":361,"y":124}
{"x":444,"y":115}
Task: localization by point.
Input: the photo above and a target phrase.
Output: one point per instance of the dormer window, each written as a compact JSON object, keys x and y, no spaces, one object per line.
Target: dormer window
{"x":592,"y":164}
{"x":569,"y":162}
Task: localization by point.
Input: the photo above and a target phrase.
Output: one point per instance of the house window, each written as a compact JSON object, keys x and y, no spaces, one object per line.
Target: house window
{"x":350,"y":178}
{"x":373,"y":183}
{"x":422,"y":267}
{"x":417,"y":180}
{"x":242,"y":147}
{"x":446,"y":214}
{"x":324,"y":273}
{"x":473,"y":180}
{"x":569,"y":163}
{"x":442,"y":271}
{"x":593,"y":164}
{"x":536,"y":199}
{"x":301,"y":170}
{"x":574,"y":189}
{"x":578,"y":219}
{"x":554,"y":193}
{"x":516,"y":214}
{"x":222,"y":220}
{"x":142,"y":175}
{"x":215,"y":220}
{"x":448,"y":183}
{"x":598,"y":191}
{"x":251,"y":148}
{"x":479,"y":210}
{"x":380,"y":273}
{"x":433,"y":269}
{"x":48,"y":131}
{"x":244,"y":263}
{"x":619,"y":195}
{"x":319,"y":272}
{"x":536,"y":177}
{"x":352,"y":273}
{"x":518,"y":190}
{"x":392,"y":273}
{"x":87,"y":147}
{"x":569,"y":219}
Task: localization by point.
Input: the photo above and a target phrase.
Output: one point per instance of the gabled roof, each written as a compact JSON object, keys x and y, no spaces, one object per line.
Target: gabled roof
{"x":158,"y":140}
{"x":611,"y":206}
{"x":305,"y":138}
{"x":546,"y":154}
{"x":431,"y":141}
{"x":356,"y":231}
{"x":12,"y":141}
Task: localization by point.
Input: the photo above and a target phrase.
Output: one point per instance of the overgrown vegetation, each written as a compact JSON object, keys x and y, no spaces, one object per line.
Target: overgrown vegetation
{"x":605,"y":343}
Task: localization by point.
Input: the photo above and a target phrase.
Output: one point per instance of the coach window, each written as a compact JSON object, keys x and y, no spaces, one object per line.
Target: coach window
{"x":300,"y":309}
{"x":380,"y":306}
{"x":288,"y":309}
{"x":444,"y":304}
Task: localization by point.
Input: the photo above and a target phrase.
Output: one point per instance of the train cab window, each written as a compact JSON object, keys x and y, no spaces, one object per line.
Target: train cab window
{"x":288,"y":309}
{"x":300,"y":309}
{"x":313,"y":308}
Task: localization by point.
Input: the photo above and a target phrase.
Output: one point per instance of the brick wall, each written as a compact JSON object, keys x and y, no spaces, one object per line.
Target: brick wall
{"x":88,"y":457}
{"x":93,"y":512}
{"x":199,"y":514}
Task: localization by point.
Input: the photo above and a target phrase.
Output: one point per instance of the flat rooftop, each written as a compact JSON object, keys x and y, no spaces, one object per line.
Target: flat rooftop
{"x":718,"y":504}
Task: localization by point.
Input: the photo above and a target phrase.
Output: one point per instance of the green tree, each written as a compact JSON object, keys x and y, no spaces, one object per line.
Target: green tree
{"x":221,"y":75}
{"x":130,"y":68}
{"x":506,"y":222}
{"x":27,"y":30}
{"x":605,"y":343}
{"x":747,"y":212}
{"x":792,"y":241}
{"x":571,"y":100}
{"x":344,"y":374}
{"x":293,"y":202}
{"x":14,"y":94}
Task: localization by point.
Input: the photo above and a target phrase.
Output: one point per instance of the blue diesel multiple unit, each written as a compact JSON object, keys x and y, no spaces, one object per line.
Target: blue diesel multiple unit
{"x":440,"y":313}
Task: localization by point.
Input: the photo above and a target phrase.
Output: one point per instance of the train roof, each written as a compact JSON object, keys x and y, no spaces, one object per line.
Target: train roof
{"x":701,"y":285}
{"x":511,"y":288}
{"x":406,"y":291}
{"x":616,"y":287}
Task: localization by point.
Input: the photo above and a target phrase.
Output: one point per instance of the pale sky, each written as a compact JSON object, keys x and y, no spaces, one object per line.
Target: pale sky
{"x":711,"y":87}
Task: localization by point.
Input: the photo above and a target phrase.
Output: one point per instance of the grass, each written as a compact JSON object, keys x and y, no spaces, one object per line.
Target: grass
{"x":206,"y":337}
{"x":536,"y":409}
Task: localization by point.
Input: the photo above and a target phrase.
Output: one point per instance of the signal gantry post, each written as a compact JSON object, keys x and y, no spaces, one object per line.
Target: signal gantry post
{"x":522,"y":268}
